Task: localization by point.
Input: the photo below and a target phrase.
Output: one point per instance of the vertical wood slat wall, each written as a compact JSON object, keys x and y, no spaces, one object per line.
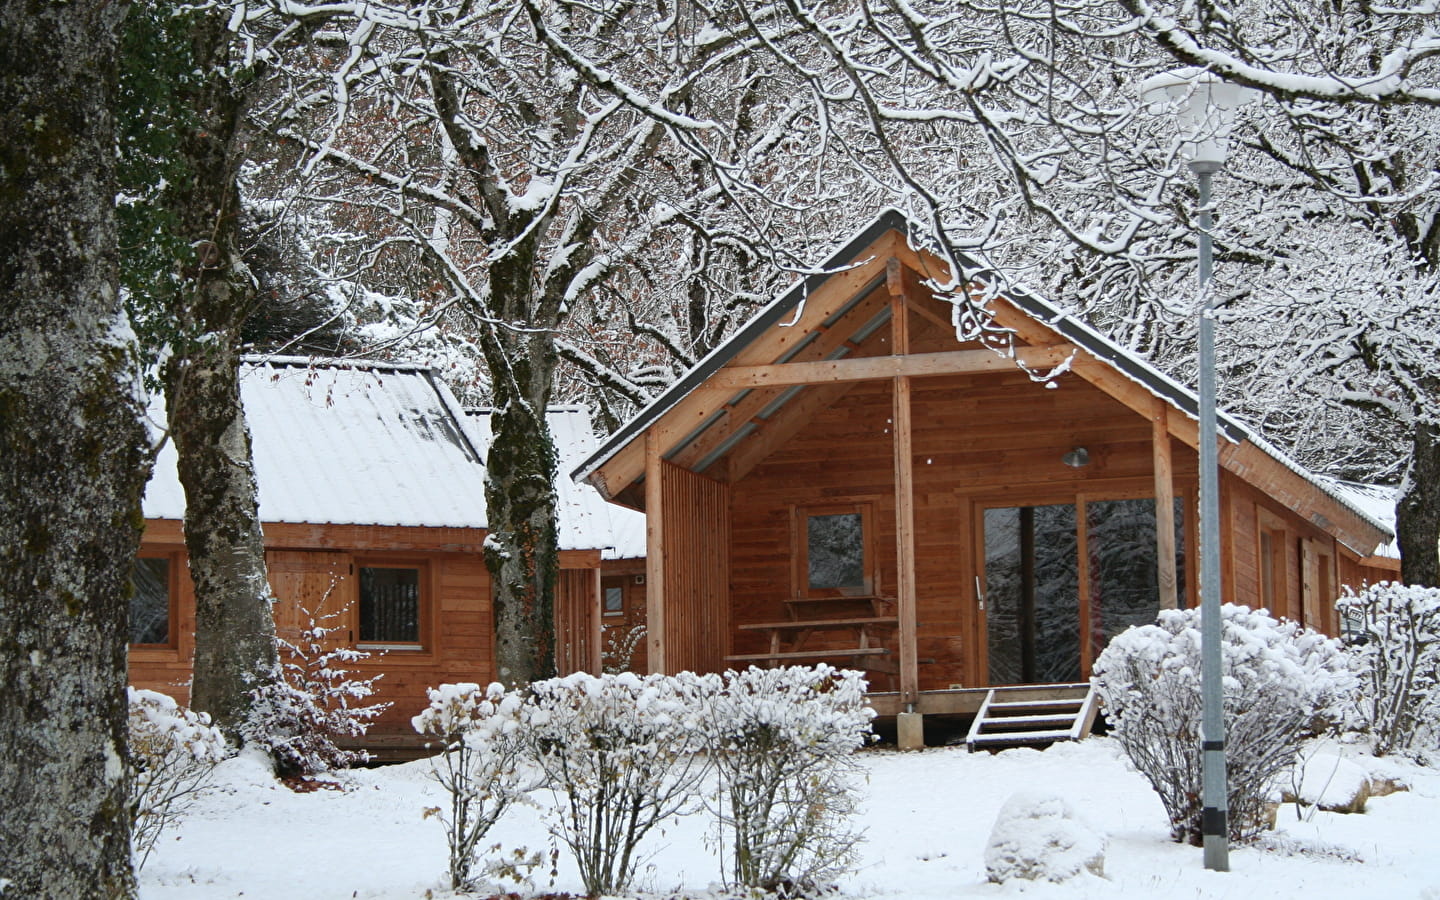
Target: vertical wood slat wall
{"x":577,"y":621}
{"x":695,"y":590}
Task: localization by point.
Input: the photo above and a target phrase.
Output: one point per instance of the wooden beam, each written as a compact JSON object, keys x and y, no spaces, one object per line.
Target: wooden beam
{"x":627,"y":465}
{"x":1085,"y":598}
{"x":904,"y":493}
{"x":654,"y":557}
{"x":951,"y":362}
{"x":736,"y":413}
{"x":1164,"y":504}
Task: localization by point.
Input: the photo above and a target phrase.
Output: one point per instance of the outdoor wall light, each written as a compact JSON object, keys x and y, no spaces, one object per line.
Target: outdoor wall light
{"x":1078,"y":457}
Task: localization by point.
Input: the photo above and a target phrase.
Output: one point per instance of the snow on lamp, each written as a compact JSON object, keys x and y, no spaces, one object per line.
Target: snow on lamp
{"x":1203,"y":105}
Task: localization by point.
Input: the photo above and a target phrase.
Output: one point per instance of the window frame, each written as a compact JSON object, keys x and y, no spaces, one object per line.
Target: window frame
{"x":424,"y":607}
{"x":173,"y":561}
{"x":605,"y":590}
{"x":800,"y":515}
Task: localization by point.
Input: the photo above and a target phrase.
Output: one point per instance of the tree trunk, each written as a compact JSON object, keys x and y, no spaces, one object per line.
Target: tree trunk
{"x":73,"y":459}
{"x":1417,"y":515}
{"x":522,"y":551}
{"x":234,"y":628}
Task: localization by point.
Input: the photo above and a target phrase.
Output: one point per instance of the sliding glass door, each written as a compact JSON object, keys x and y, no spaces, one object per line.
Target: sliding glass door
{"x":1062,"y":580}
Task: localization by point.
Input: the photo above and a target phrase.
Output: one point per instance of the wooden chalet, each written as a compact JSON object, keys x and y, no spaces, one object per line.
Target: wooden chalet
{"x":371,"y":482}
{"x":952,"y":492}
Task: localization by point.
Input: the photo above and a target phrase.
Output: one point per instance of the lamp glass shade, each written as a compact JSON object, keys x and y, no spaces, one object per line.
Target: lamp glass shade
{"x":1203,"y":105}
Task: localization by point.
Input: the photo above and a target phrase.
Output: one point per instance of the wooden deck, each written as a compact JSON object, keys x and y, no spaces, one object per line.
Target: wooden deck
{"x":959,"y":701}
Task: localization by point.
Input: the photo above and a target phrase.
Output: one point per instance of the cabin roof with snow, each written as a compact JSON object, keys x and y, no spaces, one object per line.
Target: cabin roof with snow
{"x":359,"y":442}
{"x":695,"y":421}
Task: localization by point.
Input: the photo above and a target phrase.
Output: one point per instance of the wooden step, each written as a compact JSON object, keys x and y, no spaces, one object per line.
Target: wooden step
{"x":1033,"y":720}
{"x":821,"y":623}
{"x":1039,"y":704}
{"x":1020,"y":721}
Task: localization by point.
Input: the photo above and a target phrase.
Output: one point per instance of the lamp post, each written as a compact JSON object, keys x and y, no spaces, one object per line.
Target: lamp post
{"x":1204,"y":108}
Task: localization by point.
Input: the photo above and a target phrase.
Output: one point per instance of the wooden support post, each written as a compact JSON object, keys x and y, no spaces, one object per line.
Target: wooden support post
{"x":654,"y":557}
{"x":904,"y":495}
{"x":1164,"y":505}
{"x":597,"y":623}
{"x":1086,"y":599}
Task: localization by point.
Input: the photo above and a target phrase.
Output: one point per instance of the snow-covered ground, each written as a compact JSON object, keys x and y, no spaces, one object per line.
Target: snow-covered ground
{"x":928,"y":816}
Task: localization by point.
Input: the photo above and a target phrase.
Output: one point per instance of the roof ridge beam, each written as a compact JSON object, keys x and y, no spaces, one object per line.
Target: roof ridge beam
{"x":869,"y":368}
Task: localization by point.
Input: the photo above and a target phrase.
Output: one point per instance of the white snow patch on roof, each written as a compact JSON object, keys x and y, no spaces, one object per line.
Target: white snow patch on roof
{"x":371,"y":443}
{"x":1377,"y":501}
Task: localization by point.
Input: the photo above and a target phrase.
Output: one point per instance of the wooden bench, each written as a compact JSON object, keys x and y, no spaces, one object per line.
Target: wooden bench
{"x":808,"y":654}
{"x":788,"y":639}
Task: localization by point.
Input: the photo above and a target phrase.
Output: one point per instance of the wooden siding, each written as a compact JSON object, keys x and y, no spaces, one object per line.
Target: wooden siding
{"x":312,"y":571}
{"x":629,"y":576}
{"x":979,"y":441}
{"x":577,"y":621}
{"x":694,"y":590}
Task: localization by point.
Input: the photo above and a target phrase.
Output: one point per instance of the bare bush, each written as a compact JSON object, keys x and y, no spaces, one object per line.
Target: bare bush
{"x":482,"y":768}
{"x":1394,"y":631}
{"x":297,"y":717}
{"x":1279,"y":679}
{"x":621,"y":752}
{"x":782,"y":741}
{"x":173,"y":751}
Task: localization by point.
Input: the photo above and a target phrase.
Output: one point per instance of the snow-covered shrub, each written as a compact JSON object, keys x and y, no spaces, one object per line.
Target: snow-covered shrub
{"x":482,"y":767}
{"x":1038,"y":837}
{"x":618,"y":654}
{"x":173,"y":751}
{"x":298,"y":715}
{"x":621,"y":751}
{"x":1394,"y":631}
{"x":782,"y":742}
{"x":1279,"y":678}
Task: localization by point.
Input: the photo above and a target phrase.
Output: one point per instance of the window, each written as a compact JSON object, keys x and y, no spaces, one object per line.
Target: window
{"x":614,"y":601}
{"x":390,"y":605}
{"x":833,"y":555}
{"x":1273,"y":581}
{"x":150,"y":600}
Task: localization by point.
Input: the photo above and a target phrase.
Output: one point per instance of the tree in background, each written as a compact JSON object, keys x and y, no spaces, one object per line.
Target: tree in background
{"x":72,"y":459}
{"x":504,"y":167}
{"x":184,"y":141}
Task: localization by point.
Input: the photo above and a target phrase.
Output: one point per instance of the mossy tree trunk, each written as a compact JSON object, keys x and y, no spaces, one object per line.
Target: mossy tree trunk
{"x":73,"y":459}
{"x":234,"y":629}
{"x":522,"y":552}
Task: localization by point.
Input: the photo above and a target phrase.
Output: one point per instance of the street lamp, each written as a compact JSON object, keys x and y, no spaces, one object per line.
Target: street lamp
{"x":1204,"y":109}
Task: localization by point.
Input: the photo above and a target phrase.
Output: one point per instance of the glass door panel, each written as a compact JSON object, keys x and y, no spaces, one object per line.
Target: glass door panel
{"x":1031,"y":595}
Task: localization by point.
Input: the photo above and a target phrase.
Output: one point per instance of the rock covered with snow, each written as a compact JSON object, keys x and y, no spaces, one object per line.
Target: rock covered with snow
{"x":1039,"y":837}
{"x":1337,"y":783}
{"x":1330,"y":782}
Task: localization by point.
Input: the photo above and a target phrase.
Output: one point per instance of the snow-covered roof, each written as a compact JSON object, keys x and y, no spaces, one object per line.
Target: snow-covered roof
{"x":376,"y":443}
{"x":1377,"y":501}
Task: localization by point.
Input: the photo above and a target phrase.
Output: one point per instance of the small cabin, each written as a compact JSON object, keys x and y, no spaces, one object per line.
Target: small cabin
{"x":950,"y":489}
{"x":372,"y":502}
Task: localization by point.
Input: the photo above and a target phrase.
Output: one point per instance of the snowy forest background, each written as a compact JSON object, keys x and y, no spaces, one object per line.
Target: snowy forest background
{"x":557,"y":200}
